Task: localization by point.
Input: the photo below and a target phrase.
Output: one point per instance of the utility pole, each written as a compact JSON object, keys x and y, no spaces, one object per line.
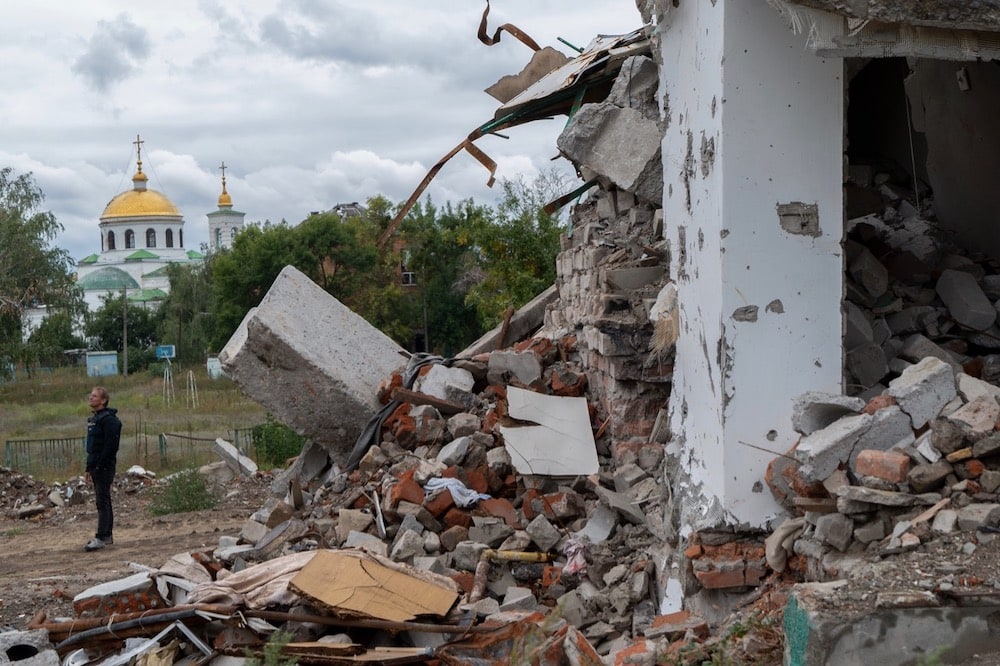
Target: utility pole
{"x":125,"y":331}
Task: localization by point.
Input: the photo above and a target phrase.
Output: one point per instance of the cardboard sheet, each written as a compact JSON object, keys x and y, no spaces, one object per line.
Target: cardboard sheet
{"x":359,"y":585}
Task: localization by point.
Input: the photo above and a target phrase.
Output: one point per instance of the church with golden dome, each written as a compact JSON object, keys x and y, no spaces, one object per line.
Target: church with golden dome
{"x":142,"y":232}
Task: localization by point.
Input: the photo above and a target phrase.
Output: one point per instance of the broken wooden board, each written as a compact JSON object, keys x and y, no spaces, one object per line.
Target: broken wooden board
{"x":355,"y":583}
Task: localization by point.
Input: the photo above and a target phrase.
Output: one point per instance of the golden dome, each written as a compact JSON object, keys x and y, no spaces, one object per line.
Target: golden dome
{"x":225,"y":201}
{"x":140,"y":201}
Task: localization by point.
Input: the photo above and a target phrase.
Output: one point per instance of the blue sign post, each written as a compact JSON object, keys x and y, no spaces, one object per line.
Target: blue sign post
{"x":164,"y":351}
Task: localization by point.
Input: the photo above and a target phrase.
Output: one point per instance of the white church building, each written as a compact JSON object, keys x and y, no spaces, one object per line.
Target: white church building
{"x":142,"y":232}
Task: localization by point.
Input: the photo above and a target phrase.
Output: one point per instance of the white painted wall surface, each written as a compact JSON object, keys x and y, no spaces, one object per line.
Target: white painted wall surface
{"x":735,"y":73}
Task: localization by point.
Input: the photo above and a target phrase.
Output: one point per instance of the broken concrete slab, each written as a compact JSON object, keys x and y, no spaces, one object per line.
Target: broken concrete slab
{"x":965,"y":300}
{"x":239,"y":463}
{"x":311,"y":361}
{"x":923,"y":389}
{"x":560,"y":443}
{"x":522,"y":323}
{"x":621,"y":144}
{"x":815,"y":410}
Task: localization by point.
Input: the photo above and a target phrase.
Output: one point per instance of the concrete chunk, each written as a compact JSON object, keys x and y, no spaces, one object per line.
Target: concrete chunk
{"x":311,"y":361}
{"x":824,"y":450}
{"x":815,"y":410}
{"x":923,"y":389}
{"x":239,"y":463}
{"x":620,"y":144}
{"x":965,"y":300}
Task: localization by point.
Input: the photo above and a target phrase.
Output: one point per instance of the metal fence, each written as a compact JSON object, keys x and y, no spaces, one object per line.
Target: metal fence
{"x":55,"y":458}
{"x":35,"y":456}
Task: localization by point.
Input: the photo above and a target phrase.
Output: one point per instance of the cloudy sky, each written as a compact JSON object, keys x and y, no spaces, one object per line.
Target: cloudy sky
{"x":310,"y":103}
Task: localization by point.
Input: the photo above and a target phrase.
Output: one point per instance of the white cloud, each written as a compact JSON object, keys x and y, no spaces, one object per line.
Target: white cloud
{"x":310,"y":103}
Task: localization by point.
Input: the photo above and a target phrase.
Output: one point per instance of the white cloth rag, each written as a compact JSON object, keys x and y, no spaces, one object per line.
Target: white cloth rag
{"x":463,"y":496}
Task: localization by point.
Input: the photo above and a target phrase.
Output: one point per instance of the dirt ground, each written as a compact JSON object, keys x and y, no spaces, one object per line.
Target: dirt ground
{"x":42,"y":561}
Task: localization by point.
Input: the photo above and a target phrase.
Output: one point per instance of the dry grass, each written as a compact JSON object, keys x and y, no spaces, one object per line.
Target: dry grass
{"x":53,"y":405}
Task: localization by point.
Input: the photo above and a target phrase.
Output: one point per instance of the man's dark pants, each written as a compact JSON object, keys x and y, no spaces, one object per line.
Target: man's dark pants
{"x":102,"y":491}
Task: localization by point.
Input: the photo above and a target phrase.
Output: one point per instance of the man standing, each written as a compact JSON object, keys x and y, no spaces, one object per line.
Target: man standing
{"x":103,"y":433}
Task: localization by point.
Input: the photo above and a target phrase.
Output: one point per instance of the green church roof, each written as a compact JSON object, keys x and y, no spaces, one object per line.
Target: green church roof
{"x":195,"y":254}
{"x":159,"y":272}
{"x":109,"y":278}
{"x":144,"y":295}
{"x":141,"y":254}
{"x":89,"y":259}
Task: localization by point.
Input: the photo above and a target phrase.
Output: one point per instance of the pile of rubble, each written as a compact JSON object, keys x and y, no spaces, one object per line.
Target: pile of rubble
{"x":883,"y":477}
{"x":484,"y":518}
{"x":910,"y":293}
{"x":25,"y":496}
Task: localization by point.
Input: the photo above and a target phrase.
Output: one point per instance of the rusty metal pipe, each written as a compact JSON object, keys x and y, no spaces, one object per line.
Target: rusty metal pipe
{"x":388,"y":625}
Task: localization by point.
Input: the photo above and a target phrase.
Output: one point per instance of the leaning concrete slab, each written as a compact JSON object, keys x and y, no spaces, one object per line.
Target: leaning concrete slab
{"x":311,"y":362}
{"x":901,"y":629}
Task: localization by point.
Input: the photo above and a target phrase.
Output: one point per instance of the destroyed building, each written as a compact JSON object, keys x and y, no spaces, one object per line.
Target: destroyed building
{"x":779,"y":301}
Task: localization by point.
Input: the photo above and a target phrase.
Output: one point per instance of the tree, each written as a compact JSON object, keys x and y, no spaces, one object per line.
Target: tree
{"x":440,"y":247}
{"x":31,"y":272}
{"x":517,"y":249}
{"x":105,"y":328}
{"x":187,"y":317}
{"x":52,"y":337}
{"x":337,"y":254}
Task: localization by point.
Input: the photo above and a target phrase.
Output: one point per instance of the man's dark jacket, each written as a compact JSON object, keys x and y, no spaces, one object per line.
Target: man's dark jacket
{"x":103,"y":432}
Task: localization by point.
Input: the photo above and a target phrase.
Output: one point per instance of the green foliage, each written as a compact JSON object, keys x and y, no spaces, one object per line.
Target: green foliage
{"x":31,"y":272}
{"x":276,"y":443}
{"x":105,"y":326}
{"x":517,"y":249}
{"x":53,"y":336}
{"x":338,"y":255}
{"x":272,"y":652}
{"x":187,"y":317}
{"x":185,"y":491}
{"x":441,"y":249}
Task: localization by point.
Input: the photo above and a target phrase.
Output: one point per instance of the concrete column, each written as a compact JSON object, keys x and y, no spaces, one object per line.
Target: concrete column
{"x":753,"y":210}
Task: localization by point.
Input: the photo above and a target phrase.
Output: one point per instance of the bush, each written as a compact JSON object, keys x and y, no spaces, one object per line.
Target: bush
{"x":185,"y":491}
{"x":276,"y":443}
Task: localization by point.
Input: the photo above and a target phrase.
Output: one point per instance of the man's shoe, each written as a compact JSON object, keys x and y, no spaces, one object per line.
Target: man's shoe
{"x":94,"y":544}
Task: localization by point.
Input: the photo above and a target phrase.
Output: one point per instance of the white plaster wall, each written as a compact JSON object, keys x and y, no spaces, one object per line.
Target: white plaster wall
{"x":734,"y":72}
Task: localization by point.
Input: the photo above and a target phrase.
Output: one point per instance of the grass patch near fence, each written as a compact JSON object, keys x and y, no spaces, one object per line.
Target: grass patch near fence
{"x":184,"y":491}
{"x":54,"y":405}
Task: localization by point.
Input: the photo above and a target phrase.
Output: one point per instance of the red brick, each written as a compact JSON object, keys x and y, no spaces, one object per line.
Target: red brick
{"x":406,"y":489}
{"x":974,"y":468}
{"x":715,"y":579}
{"x":694,"y":551}
{"x":892,"y":466}
{"x":551,"y":575}
{"x":676,"y":625}
{"x":559,"y":506}
{"x":464,"y":580}
{"x":439,"y":503}
{"x":457,"y":517}
{"x":640,"y":651}
{"x":476,"y":480}
{"x":501,"y":508}
{"x":386,"y":386}
{"x":879,"y":402}
{"x":568,"y":383}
